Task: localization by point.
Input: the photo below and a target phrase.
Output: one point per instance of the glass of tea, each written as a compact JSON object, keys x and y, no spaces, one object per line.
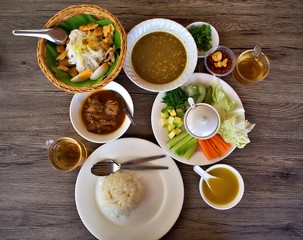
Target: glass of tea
{"x":225,"y":190}
{"x":252,"y":66}
{"x":66,"y":154}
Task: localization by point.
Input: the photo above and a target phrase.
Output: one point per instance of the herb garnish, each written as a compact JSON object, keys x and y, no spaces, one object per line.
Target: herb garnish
{"x":202,"y":36}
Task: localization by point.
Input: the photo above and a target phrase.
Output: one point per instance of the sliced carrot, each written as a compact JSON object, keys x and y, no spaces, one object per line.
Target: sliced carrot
{"x":214,"y":147}
{"x":207,"y":149}
{"x":218,"y":149}
{"x":218,"y":139}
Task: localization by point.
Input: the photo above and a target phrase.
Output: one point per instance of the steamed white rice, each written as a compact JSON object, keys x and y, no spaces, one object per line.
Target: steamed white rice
{"x":121,"y":192}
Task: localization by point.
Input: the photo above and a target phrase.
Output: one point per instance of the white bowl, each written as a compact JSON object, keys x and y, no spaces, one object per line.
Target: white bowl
{"x":214,"y":36}
{"x":77,"y":122}
{"x":161,"y":25}
{"x":240,"y":193}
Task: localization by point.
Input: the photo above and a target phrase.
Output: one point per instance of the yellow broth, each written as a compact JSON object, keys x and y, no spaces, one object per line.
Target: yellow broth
{"x":159,"y":57}
{"x":224,"y":188}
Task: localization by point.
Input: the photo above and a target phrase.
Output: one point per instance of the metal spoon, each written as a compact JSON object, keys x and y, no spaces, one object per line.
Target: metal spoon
{"x":205,"y":175}
{"x":108,"y":166}
{"x":55,"y":35}
{"x":125,"y":108}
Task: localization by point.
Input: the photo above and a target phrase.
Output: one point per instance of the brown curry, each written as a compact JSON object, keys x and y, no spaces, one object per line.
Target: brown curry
{"x":102,"y":112}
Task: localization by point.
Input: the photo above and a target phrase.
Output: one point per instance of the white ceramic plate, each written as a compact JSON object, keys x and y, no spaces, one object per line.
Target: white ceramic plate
{"x":76,"y":119}
{"x":156,"y":214}
{"x":198,"y":158}
{"x":163,"y":25}
{"x":214,"y":36}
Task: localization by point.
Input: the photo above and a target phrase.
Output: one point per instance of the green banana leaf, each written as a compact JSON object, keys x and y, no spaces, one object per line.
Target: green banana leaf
{"x":68,"y":26}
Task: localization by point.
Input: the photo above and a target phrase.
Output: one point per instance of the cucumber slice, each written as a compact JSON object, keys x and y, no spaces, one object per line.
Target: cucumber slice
{"x":209,"y":95}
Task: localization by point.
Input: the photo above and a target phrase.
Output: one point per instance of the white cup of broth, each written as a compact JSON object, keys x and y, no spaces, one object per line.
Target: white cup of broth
{"x":226,"y":190}
{"x":66,"y":154}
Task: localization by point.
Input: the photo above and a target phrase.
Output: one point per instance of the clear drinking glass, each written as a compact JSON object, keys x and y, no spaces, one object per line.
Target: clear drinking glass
{"x":252,"y":66}
{"x":66,"y":154}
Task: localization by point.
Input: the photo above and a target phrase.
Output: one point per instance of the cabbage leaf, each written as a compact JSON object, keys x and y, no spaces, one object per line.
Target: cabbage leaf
{"x":234,"y":128}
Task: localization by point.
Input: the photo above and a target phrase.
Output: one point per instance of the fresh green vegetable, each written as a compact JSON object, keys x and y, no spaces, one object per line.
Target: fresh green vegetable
{"x":201,"y":89}
{"x":185,"y":144}
{"x":175,"y":98}
{"x":200,"y":99}
{"x":172,"y":142}
{"x":208,"y":98}
{"x":221,"y":99}
{"x":202,"y":93}
{"x":191,"y":90}
{"x":180,"y":112}
{"x":164,"y":113}
{"x":182,"y":144}
{"x":171,"y":121}
{"x":196,"y":92}
{"x":202,"y":36}
{"x":174,"y":133}
{"x":190,"y":151}
{"x":233,"y":128}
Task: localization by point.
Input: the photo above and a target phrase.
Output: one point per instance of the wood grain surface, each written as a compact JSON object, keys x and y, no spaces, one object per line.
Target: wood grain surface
{"x":38,"y":202}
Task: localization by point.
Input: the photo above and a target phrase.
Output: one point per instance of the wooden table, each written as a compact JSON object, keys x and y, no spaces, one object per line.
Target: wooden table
{"x":38,"y":202}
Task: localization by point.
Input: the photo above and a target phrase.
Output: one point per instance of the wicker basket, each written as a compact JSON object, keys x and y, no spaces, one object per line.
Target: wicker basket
{"x":65,"y":14}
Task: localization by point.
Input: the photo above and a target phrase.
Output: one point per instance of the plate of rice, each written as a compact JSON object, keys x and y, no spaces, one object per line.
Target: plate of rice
{"x":129,"y":204}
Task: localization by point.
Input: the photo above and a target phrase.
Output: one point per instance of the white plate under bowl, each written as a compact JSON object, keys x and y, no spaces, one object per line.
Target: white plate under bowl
{"x":214,"y":36}
{"x":158,"y":211}
{"x":198,"y":158}
{"x":77,"y":122}
{"x":161,"y":25}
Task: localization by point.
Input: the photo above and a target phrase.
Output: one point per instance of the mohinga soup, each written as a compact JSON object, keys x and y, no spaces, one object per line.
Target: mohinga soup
{"x":159,"y":57}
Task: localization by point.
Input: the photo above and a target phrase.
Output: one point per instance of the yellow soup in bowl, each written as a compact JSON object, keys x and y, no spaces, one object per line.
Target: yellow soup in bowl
{"x":224,"y":188}
{"x":159,"y":57}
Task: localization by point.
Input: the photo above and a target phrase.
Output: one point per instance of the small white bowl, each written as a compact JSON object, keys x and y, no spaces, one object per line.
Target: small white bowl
{"x":77,"y":122}
{"x":236,"y":200}
{"x":202,"y":121}
{"x":161,"y":25}
{"x":214,"y":36}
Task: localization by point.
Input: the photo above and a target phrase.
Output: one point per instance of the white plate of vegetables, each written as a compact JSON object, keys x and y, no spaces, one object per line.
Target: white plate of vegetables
{"x":167,"y":121}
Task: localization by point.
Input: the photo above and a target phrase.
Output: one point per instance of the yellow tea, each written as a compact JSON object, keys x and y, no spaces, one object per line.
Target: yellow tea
{"x":251,"y":67}
{"x":67,"y":154}
{"x":223,"y":189}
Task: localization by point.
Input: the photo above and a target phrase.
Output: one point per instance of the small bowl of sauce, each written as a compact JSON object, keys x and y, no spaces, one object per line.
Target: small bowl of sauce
{"x":221,"y":62}
{"x":201,"y":120}
{"x":226,"y":190}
